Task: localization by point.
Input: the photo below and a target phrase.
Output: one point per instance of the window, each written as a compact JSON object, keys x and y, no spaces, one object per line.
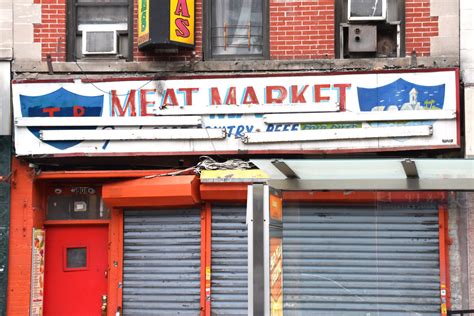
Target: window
{"x":367,"y":10}
{"x":99,"y":29}
{"x":76,"y":258}
{"x":370,"y":28}
{"x":75,"y":203}
{"x":237,"y":28}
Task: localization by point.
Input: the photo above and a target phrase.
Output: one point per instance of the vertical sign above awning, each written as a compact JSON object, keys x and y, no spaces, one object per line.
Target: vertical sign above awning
{"x":143,"y":21}
{"x":165,"y":23}
{"x":182,"y":21}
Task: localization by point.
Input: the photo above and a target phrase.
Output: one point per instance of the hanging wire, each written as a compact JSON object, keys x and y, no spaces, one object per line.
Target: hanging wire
{"x":208,"y":163}
{"x":108,"y":92}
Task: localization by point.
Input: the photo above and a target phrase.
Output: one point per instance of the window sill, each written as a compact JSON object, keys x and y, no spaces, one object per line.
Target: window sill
{"x":31,"y":68}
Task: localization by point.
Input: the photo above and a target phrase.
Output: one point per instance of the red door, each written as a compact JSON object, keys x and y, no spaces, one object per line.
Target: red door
{"x":75,"y":270}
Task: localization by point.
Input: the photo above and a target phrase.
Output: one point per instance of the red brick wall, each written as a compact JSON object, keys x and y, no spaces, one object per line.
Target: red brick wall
{"x":420,"y":27}
{"x":51,"y":33}
{"x":298,"y":30}
{"x":301,"y":29}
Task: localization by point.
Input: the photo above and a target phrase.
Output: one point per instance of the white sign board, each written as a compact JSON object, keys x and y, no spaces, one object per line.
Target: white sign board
{"x":310,"y":113}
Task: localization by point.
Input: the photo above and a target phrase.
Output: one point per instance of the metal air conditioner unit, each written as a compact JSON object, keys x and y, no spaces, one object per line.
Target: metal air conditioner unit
{"x":362,"y":38}
{"x":99,"y":40}
{"x":367,"y":10}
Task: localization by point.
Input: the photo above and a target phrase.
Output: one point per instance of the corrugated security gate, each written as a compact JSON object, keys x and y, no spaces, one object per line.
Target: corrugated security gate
{"x":361,"y":261}
{"x":229,"y":281}
{"x":161,"y":268}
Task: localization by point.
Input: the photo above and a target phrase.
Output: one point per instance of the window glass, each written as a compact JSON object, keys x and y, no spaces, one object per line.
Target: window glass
{"x":100,"y":15}
{"x":237,"y":27}
{"x":76,"y":257}
{"x":366,"y":8}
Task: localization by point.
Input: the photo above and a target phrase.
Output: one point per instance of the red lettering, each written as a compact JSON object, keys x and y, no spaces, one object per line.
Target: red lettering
{"x":317,"y":92}
{"x":230,"y":98}
{"x":51,"y":111}
{"x":188,"y":99}
{"x":171,"y":95}
{"x":298,"y":96}
{"x":144,"y":102}
{"x":216,"y":98}
{"x":250,"y":97}
{"x":78,"y":110}
{"x":129,"y":104}
{"x":342,"y":94}
{"x":269,"y":94}
{"x":182,"y":26}
{"x":182,"y":9}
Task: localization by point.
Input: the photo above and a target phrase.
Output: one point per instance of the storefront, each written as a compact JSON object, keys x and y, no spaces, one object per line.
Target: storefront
{"x":358,"y":237}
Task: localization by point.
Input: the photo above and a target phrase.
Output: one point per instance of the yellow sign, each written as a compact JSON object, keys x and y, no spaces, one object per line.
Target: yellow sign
{"x":239,"y":175}
{"x":143,"y":21}
{"x":182,"y":21}
{"x":276,"y":276}
{"x":276,"y":208}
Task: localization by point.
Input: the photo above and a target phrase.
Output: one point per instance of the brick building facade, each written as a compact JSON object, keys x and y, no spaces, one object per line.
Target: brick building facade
{"x":277,"y":49}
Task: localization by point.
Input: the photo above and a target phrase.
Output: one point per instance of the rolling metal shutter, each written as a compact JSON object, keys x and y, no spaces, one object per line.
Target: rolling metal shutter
{"x":229,"y":261}
{"x":161,"y":268}
{"x":361,"y":261}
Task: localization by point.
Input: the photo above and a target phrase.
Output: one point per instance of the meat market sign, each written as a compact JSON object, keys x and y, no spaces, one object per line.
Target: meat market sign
{"x":253,"y":114}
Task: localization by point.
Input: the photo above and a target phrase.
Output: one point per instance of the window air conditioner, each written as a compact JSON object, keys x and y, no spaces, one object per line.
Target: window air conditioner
{"x":367,"y":10}
{"x":99,"y":40}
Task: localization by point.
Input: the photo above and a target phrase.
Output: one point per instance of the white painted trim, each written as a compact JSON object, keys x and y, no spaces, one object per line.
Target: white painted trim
{"x":336,"y":134}
{"x":244,"y":109}
{"x":132,"y":134}
{"x":108,"y":121}
{"x":376,"y":116}
{"x":103,"y":27}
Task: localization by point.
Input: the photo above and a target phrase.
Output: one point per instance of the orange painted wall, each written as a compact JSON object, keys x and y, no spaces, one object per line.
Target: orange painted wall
{"x":25,"y":214}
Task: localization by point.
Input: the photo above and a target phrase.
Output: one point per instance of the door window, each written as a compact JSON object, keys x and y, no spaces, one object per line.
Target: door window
{"x":76,"y":258}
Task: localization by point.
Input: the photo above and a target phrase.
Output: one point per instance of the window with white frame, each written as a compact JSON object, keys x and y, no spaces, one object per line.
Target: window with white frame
{"x":237,"y":28}
{"x":99,"y":29}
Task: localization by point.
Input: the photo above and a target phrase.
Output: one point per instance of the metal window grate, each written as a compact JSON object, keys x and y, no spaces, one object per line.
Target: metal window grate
{"x":229,"y":289}
{"x":361,"y":260}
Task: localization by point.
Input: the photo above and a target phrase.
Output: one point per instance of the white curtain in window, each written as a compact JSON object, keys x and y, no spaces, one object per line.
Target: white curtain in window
{"x":237,"y":27}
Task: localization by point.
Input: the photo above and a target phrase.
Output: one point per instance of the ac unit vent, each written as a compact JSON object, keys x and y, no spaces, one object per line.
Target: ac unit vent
{"x":367,"y":10}
{"x":99,"y":42}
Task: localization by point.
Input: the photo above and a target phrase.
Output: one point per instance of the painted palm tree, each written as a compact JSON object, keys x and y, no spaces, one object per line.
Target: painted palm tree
{"x":429,"y":103}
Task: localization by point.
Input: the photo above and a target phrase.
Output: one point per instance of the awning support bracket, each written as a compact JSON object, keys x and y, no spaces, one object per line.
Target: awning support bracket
{"x":409,"y":166}
{"x":285,"y":169}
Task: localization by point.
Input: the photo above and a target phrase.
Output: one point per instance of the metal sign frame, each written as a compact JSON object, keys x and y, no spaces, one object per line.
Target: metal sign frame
{"x":262,"y":229}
